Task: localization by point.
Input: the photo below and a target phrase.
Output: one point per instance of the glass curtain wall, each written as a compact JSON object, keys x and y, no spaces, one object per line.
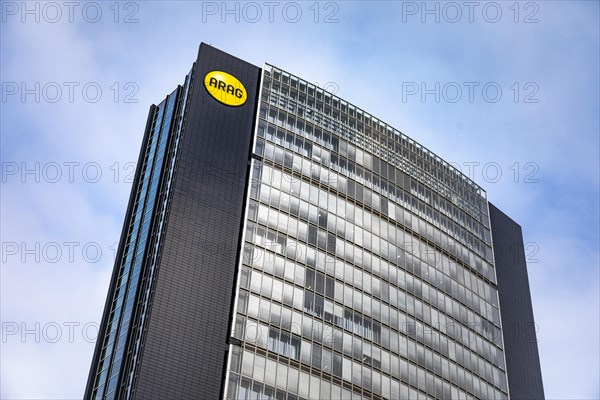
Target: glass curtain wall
{"x":367,"y":267}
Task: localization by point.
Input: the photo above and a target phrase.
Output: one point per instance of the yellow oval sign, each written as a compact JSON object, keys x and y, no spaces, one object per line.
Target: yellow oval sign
{"x":226,"y":88}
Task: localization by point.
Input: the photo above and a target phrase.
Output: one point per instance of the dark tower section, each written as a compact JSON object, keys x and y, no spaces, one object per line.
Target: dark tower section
{"x":519,"y":330}
{"x":164,"y":332}
{"x":186,"y":342}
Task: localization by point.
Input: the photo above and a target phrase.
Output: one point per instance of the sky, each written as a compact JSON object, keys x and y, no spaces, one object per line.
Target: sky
{"x":508,"y":92}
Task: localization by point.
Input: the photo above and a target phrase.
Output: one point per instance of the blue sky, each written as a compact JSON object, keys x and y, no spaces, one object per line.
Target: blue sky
{"x":533,"y":145}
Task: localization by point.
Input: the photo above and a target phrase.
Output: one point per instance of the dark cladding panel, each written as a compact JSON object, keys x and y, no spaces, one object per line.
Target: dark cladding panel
{"x":522,"y":358}
{"x":186,"y":344}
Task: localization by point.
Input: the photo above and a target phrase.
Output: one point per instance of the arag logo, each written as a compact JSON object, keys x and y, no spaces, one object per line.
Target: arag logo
{"x":226,"y":88}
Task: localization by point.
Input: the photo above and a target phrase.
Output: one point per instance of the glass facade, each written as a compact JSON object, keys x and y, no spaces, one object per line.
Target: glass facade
{"x":115,"y":372}
{"x":367,"y":266}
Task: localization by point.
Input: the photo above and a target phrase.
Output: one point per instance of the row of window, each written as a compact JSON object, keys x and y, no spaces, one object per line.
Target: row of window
{"x":241,"y":388}
{"x":351,"y":295}
{"x":393,"y":143}
{"x":312,"y":142}
{"x":327,"y":338}
{"x":294,"y":88}
{"x":466,"y":292}
{"x":380,"y":311}
{"x":443,"y":334}
{"x":372,"y":383}
{"x":390,"y":184}
{"x":394,"y":212}
{"x":313,"y":203}
{"x":284,"y":343}
{"x":369,"y":196}
{"x":303,"y":126}
{"x":457,"y":280}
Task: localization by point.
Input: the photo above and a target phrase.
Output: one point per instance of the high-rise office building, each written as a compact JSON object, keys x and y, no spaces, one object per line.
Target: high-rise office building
{"x":282,"y":243}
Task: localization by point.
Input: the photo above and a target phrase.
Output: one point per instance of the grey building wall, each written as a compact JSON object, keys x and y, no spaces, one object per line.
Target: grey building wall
{"x":519,"y":329}
{"x":185,"y":347}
